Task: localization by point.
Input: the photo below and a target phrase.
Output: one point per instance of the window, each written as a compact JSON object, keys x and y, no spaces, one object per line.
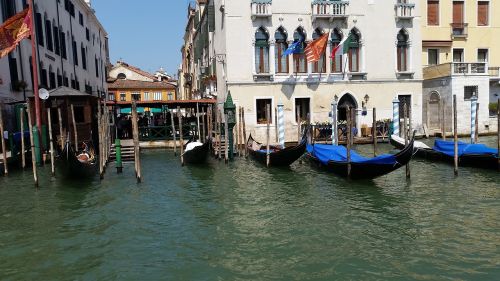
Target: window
{"x":299,"y":60}
{"x":353,"y":53}
{"x":87,"y":34}
{"x":337,"y":60}
{"x":482,"y":55}
{"x":84,"y":57}
{"x":59,"y":79}
{"x":14,"y":76}
{"x":121,"y":76}
{"x":111,"y":96}
{"x":48,"y":33}
{"x":80,"y":18}
{"x":157,"y":96}
{"x":280,"y":47}
{"x":432,"y":12}
{"x":483,"y":10}
{"x":96,"y":67}
{"x":146,"y":96}
{"x":43,"y":78}
{"x":136,"y":96}
{"x":319,"y":66}
{"x":123,"y":97}
{"x":79,"y":114}
{"x":458,"y":55}
{"x":261,"y":51}
{"x":63,"y":45}
{"x":170,"y":96}
{"x":39,"y":29}
{"x":404,"y":99}
{"x":402,"y":51}
{"x":66,"y":81}
{"x":432,"y":56}
{"x":75,"y":53}
{"x":52,"y":79}
{"x":302,"y":106}
{"x":261,"y":105}
{"x":470,"y":91}
{"x":57,"y":48}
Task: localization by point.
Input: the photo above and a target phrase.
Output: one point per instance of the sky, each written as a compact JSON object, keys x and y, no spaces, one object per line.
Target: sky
{"x":146,"y":34}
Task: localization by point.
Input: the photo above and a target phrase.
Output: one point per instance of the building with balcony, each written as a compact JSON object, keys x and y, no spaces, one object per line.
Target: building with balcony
{"x":383,"y":61}
{"x":459,"y":57}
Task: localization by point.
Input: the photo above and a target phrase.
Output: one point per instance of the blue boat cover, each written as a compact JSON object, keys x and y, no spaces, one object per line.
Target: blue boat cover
{"x":338,"y":153}
{"x":448,"y":148}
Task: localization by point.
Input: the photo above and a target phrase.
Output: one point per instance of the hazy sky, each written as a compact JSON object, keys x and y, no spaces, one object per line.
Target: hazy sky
{"x":146,"y":33}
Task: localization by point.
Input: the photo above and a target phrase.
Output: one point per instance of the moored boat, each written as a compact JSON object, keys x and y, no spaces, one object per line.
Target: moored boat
{"x":196,"y":152}
{"x":78,"y":165}
{"x":278,"y":156}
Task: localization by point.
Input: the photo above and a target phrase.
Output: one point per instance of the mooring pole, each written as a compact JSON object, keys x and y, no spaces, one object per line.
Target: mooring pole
{"x":198,"y":121}
{"x":299,"y":121}
{"x":476,"y":136}
{"x":374,"y":132}
{"x":395,"y":117}
{"x":226,"y":138}
{"x":23,"y":146}
{"x":498,"y":132}
{"x":74,"y":127}
{"x":268,"y":117}
{"x":443,"y":120}
{"x":335,"y":139}
{"x":32,"y":143}
{"x":240,"y":133}
{"x":406,"y":134}
{"x":281,"y":124}
{"x":62,"y":137}
{"x":4,"y":147}
{"x":135,"y":134}
{"x":455,"y":135}
{"x":179,"y":115}
{"x":276,"y":133}
{"x":219,"y":121}
{"x":51,"y":145}
{"x":349,"y":133}
{"x":174,"y":132}
{"x":118,"y":156}
{"x":204,"y":123}
{"x":473,"y":117}
{"x":244,"y":130}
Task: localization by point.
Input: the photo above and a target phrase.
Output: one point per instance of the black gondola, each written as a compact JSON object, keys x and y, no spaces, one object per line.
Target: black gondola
{"x":78,"y":165}
{"x":196,"y":154}
{"x":278,"y":156}
{"x":333,"y":159}
{"x":470,"y":155}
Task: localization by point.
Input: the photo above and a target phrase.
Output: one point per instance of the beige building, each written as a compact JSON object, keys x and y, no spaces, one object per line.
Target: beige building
{"x":383,"y":62}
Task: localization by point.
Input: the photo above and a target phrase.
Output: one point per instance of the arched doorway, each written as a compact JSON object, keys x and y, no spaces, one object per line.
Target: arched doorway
{"x":345,"y":101}
{"x":433,"y":111}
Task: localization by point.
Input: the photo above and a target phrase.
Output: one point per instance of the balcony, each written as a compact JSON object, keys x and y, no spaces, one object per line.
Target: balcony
{"x":494,"y":72}
{"x":261,"y":9}
{"x":404,"y":10}
{"x":459,"y":30}
{"x":455,"y":69}
{"x":330,"y":9}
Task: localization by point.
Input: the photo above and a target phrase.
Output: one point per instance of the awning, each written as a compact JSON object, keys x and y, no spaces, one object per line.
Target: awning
{"x":437,"y":43}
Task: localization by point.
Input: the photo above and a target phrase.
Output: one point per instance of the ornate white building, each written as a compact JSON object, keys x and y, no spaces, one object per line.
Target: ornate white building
{"x":383,"y":61}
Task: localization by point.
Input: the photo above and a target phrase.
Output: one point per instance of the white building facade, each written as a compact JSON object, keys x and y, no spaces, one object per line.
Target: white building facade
{"x":72,"y":50}
{"x":383,"y":62}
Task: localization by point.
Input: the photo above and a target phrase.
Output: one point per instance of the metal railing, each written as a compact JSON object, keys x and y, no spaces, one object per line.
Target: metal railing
{"x":404,"y":10}
{"x":455,"y":68}
{"x":469,"y":68}
{"x":156,"y":133}
{"x":323,"y":132}
{"x":329,"y":9}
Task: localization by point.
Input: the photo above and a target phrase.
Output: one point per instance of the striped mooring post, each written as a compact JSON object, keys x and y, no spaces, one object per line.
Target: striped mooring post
{"x":334,"y":123}
{"x":395,"y":116}
{"x":281,"y":124}
{"x":473,"y":116}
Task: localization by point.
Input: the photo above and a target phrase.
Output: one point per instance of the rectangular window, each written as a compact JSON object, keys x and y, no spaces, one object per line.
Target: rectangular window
{"x":483,"y":10}
{"x":300,"y":63}
{"x":337,"y":60}
{"x":57,"y":48}
{"x":136,"y":96}
{"x":470,"y":91}
{"x":96,"y":67}
{"x":146,"y":96}
{"x":14,"y":76}
{"x":402,"y":58}
{"x":170,"y":96}
{"x":59,"y":80}
{"x":63,"y":45}
{"x":281,"y":61}
{"x":458,"y":12}
{"x":87,"y":34}
{"x":302,"y":107}
{"x":157,"y":96}
{"x":404,"y":99}
{"x":482,"y":55}
{"x":111,"y":96}
{"x":75,"y":53}
{"x":458,"y":55}
{"x":66,"y":81}
{"x":44,"y":83}
{"x":123,"y":97}
{"x":353,"y":59}
{"x":52,"y":80}
{"x":48,"y":33}
{"x":261,"y":105}
{"x":84,"y":58}
{"x":80,"y":18}
{"x":262,"y":59}
{"x":39,"y":29}
{"x":320,"y":66}
{"x":432,"y":56}
{"x":79,"y":114}
{"x":432,"y":12}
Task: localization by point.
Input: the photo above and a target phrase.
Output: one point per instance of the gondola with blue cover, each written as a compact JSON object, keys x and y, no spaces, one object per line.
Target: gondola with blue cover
{"x":334,"y":159}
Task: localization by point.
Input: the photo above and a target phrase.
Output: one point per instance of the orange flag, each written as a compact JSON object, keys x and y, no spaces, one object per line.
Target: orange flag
{"x":316,"y":48}
{"x":13,"y":31}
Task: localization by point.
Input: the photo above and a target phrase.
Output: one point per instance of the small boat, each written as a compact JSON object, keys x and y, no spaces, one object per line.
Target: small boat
{"x":469,"y":155}
{"x":278,"y":156}
{"x":334,"y":159}
{"x":78,"y":165}
{"x":196,"y":152}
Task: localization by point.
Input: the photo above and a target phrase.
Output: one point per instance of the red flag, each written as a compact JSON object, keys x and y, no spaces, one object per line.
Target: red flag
{"x":316,"y":48}
{"x":13,"y":31}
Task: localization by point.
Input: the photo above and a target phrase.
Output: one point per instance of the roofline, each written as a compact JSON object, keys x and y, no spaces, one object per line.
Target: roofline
{"x":91,"y":11}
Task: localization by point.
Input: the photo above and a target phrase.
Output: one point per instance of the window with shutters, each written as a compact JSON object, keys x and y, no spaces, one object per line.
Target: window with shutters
{"x":353,"y":53}
{"x":483,"y":10}
{"x":299,"y":60}
{"x":281,"y":45}
{"x":402,"y":51}
{"x":337,"y":60}
{"x":432,"y":12}
{"x":319,"y":66}
{"x":261,"y":51}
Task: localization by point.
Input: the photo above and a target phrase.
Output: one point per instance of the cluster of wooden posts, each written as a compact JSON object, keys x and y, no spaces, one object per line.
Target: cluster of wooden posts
{"x":104,"y":138}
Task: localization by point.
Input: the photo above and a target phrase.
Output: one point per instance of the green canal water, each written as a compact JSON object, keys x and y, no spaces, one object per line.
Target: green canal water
{"x":244,"y":222}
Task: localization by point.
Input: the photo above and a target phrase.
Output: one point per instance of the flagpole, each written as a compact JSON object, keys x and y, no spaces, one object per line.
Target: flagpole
{"x":35,"y":71}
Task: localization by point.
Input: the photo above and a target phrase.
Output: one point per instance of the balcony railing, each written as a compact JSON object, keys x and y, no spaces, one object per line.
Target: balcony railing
{"x":329,"y":9}
{"x":261,"y":8}
{"x":459,"y":30}
{"x":494,"y":72}
{"x":404,"y":10}
{"x":455,"y":69}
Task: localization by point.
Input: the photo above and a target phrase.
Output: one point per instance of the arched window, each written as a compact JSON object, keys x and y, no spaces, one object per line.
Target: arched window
{"x":402,"y":51}
{"x":261,"y":51}
{"x":281,"y":45}
{"x":336,"y":37}
{"x":299,"y":60}
{"x":319,"y":66}
{"x":121,"y":76}
{"x":48,"y":33}
{"x":354,"y":51}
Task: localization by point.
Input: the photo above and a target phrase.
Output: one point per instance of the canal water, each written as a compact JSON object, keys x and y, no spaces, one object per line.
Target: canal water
{"x":244,"y":222}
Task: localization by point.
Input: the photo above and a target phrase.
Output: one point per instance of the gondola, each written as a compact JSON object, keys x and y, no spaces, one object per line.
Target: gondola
{"x":469,"y":155}
{"x":334,"y":159}
{"x":196,"y":152}
{"x":278,"y":156}
{"x":78,"y":165}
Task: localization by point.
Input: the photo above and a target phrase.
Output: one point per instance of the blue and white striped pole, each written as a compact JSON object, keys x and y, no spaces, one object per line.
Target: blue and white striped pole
{"x":334,"y":123}
{"x":395,"y":116}
{"x":473,"y":116}
{"x":281,"y":124}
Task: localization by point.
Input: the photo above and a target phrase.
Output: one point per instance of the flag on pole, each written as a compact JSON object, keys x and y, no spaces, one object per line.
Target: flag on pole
{"x":343,"y":45}
{"x":295,"y":48}
{"x":316,"y":48}
{"x":13,"y":31}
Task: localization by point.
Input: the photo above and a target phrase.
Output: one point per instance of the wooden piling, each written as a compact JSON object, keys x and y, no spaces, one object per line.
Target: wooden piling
{"x":135,"y":134}
{"x":101,"y":143}
{"x":32,"y":143}
{"x":374,"y":132}
{"x":498,"y":132}
{"x":406,"y":134}
{"x":455,"y":135}
{"x":204,"y":123}
{"x":179,"y":115}
{"x":268,"y":120}
{"x":74,"y":127}
{"x":443,"y":123}
{"x":61,"y":133}
{"x":276,"y":124}
{"x":23,"y":146}
{"x":174,"y":132}
{"x":236,"y":130}
{"x":226,"y":139}
{"x":4,"y":147}
{"x":299,"y":121}
{"x":243,"y":141}
{"x":209,"y":126}
{"x":244,"y":131}
{"x":198,"y":121}
{"x":219,"y":121}
{"x":476,"y":133}
{"x":349,"y":133}
{"x":52,"y":164}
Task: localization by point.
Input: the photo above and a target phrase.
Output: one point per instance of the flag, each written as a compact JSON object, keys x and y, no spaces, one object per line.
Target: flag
{"x":13,"y":31}
{"x":343,"y":45}
{"x":316,"y":48}
{"x":295,"y":48}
